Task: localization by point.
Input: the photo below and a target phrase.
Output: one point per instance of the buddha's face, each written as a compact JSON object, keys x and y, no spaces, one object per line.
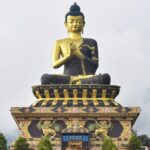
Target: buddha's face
{"x":74,"y":24}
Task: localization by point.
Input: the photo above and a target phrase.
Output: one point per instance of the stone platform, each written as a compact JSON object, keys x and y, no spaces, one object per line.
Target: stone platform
{"x":86,"y":112}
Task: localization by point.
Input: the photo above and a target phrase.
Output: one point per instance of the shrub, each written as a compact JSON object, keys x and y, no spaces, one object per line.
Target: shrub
{"x":3,"y":142}
{"x":45,"y":144}
{"x":21,"y":144}
{"x":134,"y":143}
{"x":108,"y":144}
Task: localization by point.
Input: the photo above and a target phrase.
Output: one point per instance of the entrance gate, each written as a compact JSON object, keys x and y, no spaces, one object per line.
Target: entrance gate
{"x":75,"y":141}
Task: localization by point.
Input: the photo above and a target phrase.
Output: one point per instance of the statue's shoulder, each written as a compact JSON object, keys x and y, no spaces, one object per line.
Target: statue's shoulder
{"x":61,"y":41}
{"x":90,"y":41}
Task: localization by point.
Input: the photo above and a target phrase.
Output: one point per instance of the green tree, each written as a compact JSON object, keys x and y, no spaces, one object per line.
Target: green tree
{"x":134,"y":143}
{"x":145,"y":140}
{"x":45,"y":144}
{"x":108,"y":144}
{"x":3,"y":142}
{"x":21,"y":144}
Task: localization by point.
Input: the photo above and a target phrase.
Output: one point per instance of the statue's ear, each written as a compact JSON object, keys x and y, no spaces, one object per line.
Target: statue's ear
{"x":84,"y":23}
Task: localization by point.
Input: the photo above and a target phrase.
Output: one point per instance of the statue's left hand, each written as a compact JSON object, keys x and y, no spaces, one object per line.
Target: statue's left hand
{"x":76,"y":51}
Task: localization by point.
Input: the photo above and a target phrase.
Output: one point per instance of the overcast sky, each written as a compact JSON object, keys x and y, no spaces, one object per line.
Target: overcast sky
{"x":28,"y":29}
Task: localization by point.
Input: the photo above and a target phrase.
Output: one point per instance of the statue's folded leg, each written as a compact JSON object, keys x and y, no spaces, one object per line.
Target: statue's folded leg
{"x":97,"y":79}
{"x":47,"y":79}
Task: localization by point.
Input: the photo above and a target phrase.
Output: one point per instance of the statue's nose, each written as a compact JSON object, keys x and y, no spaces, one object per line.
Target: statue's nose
{"x":75,"y":23}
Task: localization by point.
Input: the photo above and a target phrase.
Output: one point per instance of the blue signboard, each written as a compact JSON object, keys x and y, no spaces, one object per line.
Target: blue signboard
{"x":84,"y":138}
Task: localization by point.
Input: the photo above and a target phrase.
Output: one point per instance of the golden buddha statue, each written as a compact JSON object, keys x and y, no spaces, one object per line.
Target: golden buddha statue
{"x":78,"y":55}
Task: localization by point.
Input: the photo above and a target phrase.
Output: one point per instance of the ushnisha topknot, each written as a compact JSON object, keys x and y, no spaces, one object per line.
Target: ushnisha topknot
{"x":75,"y":8}
{"x":74,"y":11}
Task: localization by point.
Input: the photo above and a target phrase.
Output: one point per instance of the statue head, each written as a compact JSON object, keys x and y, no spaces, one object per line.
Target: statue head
{"x":103,"y":122}
{"x":47,"y":123}
{"x":74,"y":19}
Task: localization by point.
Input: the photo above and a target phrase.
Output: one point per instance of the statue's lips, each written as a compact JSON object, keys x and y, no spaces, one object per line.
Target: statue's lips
{"x":75,"y":27}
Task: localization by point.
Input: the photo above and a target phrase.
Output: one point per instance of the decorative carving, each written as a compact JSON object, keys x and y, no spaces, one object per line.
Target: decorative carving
{"x":76,"y":92}
{"x":47,"y":128}
{"x":126,"y":130}
{"x":23,"y":125}
{"x":75,"y":124}
{"x":102,"y":128}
